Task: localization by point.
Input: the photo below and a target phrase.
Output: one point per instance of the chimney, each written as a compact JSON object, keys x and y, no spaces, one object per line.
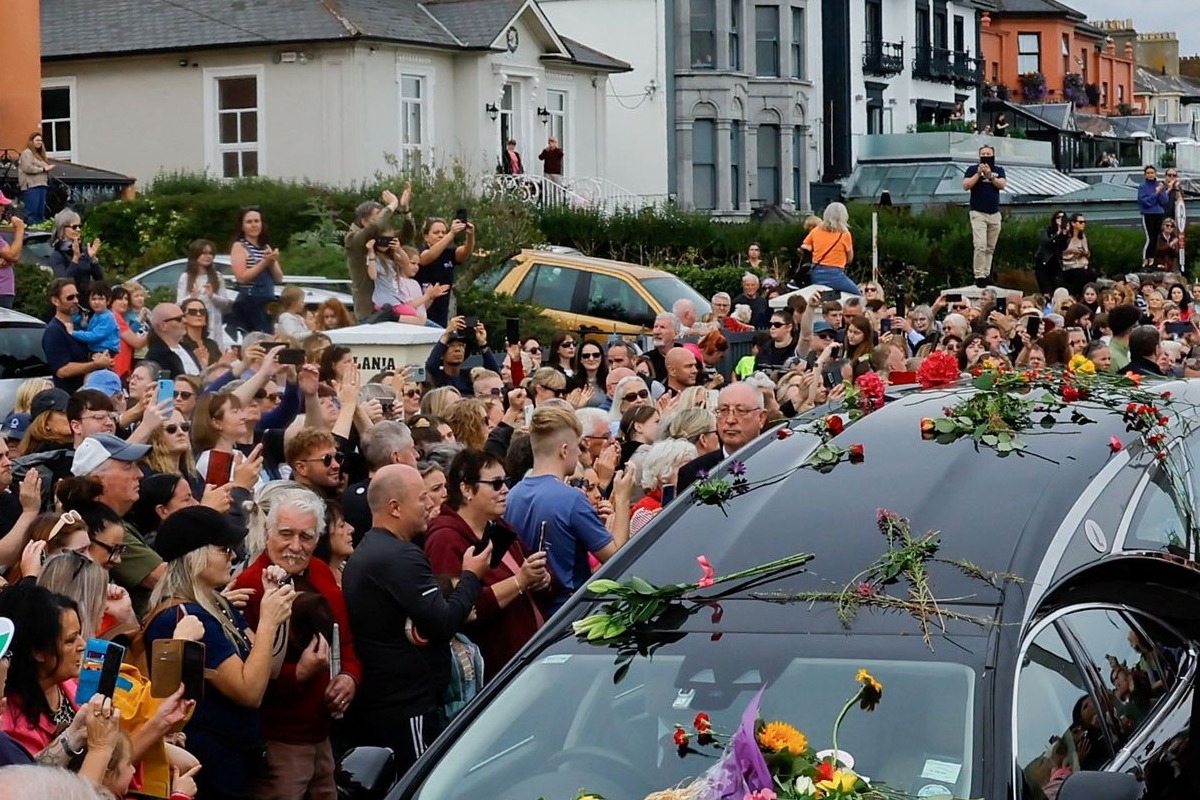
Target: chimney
{"x":21,"y":66}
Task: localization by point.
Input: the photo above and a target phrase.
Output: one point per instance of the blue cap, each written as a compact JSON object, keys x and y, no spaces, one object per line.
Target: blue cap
{"x":105,"y":381}
{"x":822,"y":326}
{"x":16,"y":425}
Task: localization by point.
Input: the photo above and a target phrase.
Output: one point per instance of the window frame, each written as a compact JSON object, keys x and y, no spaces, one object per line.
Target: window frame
{"x":1036,"y":54}
{"x":710,"y":167}
{"x":710,"y":33}
{"x":737,"y":149}
{"x":532,"y":277}
{"x":68,"y":83}
{"x":557,"y":124}
{"x":428,"y":78}
{"x":796,"y":46}
{"x":627,"y":317}
{"x":775,"y":197}
{"x":735,"y":35}
{"x":760,"y":42}
{"x":213,"y":149}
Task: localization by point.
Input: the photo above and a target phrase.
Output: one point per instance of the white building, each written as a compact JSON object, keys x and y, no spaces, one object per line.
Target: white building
{"x":323,"y":91}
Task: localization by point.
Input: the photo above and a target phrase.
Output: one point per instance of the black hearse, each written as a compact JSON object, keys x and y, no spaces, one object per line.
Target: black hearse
{"x":1107,"y":588}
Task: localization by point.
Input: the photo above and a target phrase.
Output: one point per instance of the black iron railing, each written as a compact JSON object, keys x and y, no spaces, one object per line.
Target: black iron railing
{"x":883,"y":58}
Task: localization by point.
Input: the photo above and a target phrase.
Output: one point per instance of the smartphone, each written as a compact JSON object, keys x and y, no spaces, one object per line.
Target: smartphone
{"x":542,"y":544}
{"x":512,"y":330}
{"x":885,"y":325}
{"x":830,"y":294}
{"x":388,"y":407}
{"x":174,"y":662}
{"x":460,"y":214}
{"x":989,"y":160}
{"x":668,"y":493}
{"x":292,"y":355}
{"x":1179,"y":329}
{"x":471,"y":322}
{"x":417,"y":373}
{"x":501,"y":537}
{"x":712,"y":399}
{"x":835,"y":350}
{"x":953,"y":297}
{"x":166,"y":392}
{"x":220,"y":468}
{"x":269,"y":346}
{"x":1002,"y":305}
{"x":100,"y":670}
{"x":832,"y":377}
{"x":1032,"y":323}
{"x":900,"y":310}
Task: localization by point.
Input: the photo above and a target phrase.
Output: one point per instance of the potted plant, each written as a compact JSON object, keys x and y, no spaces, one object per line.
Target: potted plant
{"x":1074,"y":90}
{"x":1033,"y":87}
{"x":1093,"y":94}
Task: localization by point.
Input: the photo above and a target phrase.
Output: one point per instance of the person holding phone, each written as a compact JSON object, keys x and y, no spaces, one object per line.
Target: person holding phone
{"x":512,"y":606}
{"x":219,"y":424}
{"x":438,"y":257}
{"x":984,"y":181}
{"x":1154,"y":200}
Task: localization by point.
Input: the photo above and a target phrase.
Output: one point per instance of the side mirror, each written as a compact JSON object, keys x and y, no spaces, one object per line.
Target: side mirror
{"x":365,"y":773}
{"x":1101,"y":786}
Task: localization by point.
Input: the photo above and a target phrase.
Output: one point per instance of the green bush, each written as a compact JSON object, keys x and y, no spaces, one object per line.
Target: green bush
{"x":494,"y":309}
{"x":31,"y":298}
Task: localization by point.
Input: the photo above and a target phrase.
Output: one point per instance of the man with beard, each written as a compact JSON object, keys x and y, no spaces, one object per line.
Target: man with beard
{"x":315,"y":461}
{"x":666,"y":325}
{"x":66,"y":356}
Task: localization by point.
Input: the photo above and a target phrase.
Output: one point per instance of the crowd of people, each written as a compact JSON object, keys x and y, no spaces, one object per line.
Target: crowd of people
{"x":359,"y":554}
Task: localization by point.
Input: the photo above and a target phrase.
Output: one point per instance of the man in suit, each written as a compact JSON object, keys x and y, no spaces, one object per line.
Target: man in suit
{"x":166,"y":342}
{"x":740,"y":419}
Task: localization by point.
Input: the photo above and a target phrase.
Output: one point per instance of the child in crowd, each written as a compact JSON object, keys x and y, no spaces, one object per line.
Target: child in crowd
{"x":411,"y":293}
{"x":138,"y":316}
{"x":100,"y":333}
{"x":291,"y":321}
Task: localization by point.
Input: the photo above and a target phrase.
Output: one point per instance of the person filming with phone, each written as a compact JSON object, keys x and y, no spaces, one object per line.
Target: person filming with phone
{"x":513,"y":603}
{"x":984,"y":181}
{"x":444,"y":364}
{"x":440,"y":255}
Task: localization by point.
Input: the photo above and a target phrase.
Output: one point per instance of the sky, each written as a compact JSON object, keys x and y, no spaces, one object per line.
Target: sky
{"x":1154,"y":16}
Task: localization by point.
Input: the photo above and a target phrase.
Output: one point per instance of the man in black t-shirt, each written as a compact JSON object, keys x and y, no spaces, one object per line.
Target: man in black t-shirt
{"x":984,"y":181}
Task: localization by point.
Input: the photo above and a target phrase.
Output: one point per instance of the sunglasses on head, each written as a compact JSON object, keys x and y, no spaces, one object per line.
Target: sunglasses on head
{"x":329,"y":458}
{"x":175,"y":427}
{"x":640,"y":394}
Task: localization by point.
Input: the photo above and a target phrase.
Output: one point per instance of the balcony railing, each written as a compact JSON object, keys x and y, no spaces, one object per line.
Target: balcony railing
{"x":968,"y":70}
{"x":934,"y":64}
{"x":883,"y":58}
{"x":598,"y":193}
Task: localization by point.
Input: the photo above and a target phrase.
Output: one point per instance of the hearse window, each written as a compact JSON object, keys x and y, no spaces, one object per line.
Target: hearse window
{"x":1156,"y":524}
{"x":1078,"y":705}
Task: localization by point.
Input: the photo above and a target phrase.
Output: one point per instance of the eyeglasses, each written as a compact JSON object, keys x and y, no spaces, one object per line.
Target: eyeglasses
{"x":534,"y":351}
{"x":262,"y":394}
{"x":870,"y":289}
{"x":590,"y":357}
{"x":100,"y":416}
{"x":779,"y":324}
{"x":328,"y":459}
{"x":70,"y":298}
{"x":224,"y":550}
{"x":174,"y":319}
{"x":174,"y":428}
{"x":581,"y":483}
{"x":1080,"y":222}
{"x":824,"y":335}
{"x":495,"y":392}
{"x":196,"y":312}
{"x":413,"y":393}
{"x":74,"y":227}
{"x":960,"y":306}
{"x":640,"y":394}
{"x":184,"y":395}
{"x":115,"y":551}
{"x":568,"y":344}
{"x":496,"y":483}
{"x":556,"y":392}
{"x":737,"y":411}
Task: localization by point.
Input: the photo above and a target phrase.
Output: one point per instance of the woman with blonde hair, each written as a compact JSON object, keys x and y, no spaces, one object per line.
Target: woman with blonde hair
{"x":23,"y":401}
{"x":171,"y":449}
{"x":33,"y":178}
{"x":103,"y":608}
{"x":468,"y":419}
{"x":438,"y":402}
{"x":832,"y":249}
{"x":545,"y":384}
{"x":630,"y":391}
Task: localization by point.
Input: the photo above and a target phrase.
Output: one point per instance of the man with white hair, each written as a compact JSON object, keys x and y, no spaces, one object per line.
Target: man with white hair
{"x":166,"y":341}
{"x":740,"y":419}
{"x":301,"y":702}
{"x":689,"y":324}
{"x":760,"y":311}
{"x":597,"y":438}
{"x":956,"y":324}
{"x":666,"y":326}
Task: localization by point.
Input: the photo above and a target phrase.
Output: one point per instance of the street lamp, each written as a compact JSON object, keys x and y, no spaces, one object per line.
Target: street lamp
{"x":491,"y":111}
{"x":544,"y":114}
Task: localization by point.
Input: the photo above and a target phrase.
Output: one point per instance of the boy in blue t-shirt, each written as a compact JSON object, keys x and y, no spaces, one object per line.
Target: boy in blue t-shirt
{"x":101,"y":333}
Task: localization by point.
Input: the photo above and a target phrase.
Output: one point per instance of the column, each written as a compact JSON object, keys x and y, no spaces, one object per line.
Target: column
{"x":724,"y":161}
{"x":785,"y":165}
{"x":803,"y":203}
{"x":683,"y":140}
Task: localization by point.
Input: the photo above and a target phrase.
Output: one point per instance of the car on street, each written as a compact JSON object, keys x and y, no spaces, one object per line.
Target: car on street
{"x":1059,"y":572}
{"x":593,"y":295}
{"x":21,"y":354}
{"x":36,"y":248}
{"x":316,"y":289}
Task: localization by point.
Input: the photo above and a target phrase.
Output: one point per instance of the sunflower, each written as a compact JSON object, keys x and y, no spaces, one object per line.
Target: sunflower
{"x":871,"y":692}
{"x":779,"y":736}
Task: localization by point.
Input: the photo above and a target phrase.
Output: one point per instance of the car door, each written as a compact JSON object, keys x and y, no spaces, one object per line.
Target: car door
{"x":1095,"y":684}
{"x":553,"y":287}
{"x":612,"y":304}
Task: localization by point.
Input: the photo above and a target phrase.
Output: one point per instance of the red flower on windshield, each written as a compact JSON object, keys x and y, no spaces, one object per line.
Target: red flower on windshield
{"x":709,"y":572}
{"x":834,"y":424}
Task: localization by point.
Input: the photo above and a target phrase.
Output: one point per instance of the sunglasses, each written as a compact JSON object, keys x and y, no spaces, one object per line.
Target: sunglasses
{"x":536,"y":351}
{"x":590,"y":356}
{"x":558,"y":392}
{"x":196,"y":312}
{"x":328,"y":459}
{"x":570,"y":345}
{"x":640,"y":394}
{"x":174,"y":427}
{"x":581,"y":483}
{"x":824,"y":335}
{"x":114,"y":551}
{"x":73,"y":227}
{"x":779,"y":324}
{"x":413,"y":393}
{"x":184,"y":395}
{"x":262,"y":394}
{"x":496,"y":483}
{"x":69,"y":518}
{"x":70,"y":298}
{"x":174,"y":319}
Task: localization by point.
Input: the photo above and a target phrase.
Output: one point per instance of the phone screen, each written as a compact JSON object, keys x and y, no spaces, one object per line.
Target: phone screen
{"x":166,"y":392}
{"x":1031,"y":325}
{"x":512,"y":330}
{"x":291,"y":355}
{"x":1002,"y":305}
{"x":668,"y":493}
{"x":885,"y":325}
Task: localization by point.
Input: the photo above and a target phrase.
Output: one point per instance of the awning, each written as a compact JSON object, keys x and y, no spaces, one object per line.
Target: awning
{"x":942,"y":182}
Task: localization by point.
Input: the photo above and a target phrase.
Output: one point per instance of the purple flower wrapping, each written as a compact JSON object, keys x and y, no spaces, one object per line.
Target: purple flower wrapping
{"x":742,"y":769}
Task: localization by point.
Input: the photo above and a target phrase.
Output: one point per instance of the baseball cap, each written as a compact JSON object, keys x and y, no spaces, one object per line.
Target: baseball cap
{"x":95,"y":450}
{"x":6,"y":630}
{"x":16,"y":425}
{"x":105,"y":381}
{"x":194,"y":527}
{"x":4,"y":201}
{"x":822,"y":326}
{"x":48,"y":400}
{"x":1133,"y":278}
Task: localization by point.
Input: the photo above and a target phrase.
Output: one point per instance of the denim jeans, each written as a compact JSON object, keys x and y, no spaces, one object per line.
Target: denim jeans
{"x":34,"y":200}
{"x":834,"y":278}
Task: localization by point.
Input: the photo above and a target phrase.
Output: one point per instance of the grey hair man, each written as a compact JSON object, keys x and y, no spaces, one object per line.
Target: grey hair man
{"x":597,"y":435}
{"x":387,"y":442}
{"x":741,"y":416}
{"x":666,"y":330}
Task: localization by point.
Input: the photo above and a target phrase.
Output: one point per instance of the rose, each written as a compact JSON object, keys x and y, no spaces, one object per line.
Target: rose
{"x":805,"y":786}
{"x":834,"y":424}
{"x":856,"y":453}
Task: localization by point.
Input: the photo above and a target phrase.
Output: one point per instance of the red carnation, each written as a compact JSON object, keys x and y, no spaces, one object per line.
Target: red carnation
{"x":702,"y":722}
{"x":825,"y":771}
{"x":783,"y":433}
{"x":1070,"y":393}
{"x":682,"y":737}
{"x":1114,"y":444}
{"x":939,"y":368}
{"x":856,"y":453}
{"x":1164,"y":421}
{"x":834,"y":424}
{"x":1166,"y":395}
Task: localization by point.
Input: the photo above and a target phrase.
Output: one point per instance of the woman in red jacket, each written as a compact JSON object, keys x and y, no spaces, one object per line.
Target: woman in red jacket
{"x":511,"y":606}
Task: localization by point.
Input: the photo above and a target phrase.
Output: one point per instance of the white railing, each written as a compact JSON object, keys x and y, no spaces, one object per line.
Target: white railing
{"x":599,"y":193}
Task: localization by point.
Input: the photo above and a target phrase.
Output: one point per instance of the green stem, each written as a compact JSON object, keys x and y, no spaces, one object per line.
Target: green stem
{"x":837,"y":723}
{"x":763,"y":569}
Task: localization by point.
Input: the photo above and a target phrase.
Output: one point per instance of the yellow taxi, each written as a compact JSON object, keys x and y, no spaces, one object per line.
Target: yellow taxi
{"x":593,"y":295}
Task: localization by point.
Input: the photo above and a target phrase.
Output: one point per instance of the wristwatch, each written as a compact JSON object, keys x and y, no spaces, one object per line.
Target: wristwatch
{"x":67,"y":748}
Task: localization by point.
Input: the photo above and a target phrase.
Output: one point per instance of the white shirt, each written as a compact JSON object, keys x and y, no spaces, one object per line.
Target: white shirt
{"x":190,"y":367}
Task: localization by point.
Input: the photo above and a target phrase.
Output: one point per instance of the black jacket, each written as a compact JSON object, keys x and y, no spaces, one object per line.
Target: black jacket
{"x":1141,"y":366}
{"x":160,"y":354}
{"x":690,"y":471}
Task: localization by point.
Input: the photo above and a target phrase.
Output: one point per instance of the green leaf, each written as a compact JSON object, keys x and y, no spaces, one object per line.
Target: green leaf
{"x":944,"y":425}
{"x":990,"y":439}
{"x":985,"y":382}
{"x":641,"y":587}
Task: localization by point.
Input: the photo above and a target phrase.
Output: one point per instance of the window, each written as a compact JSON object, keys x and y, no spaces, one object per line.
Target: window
{"x":550,"y":286}
{"x":556,"y":104}
{"x":1104,"y":93}
{"x":412,"y":117}
{"x":234,"y":103}
{"x":735,"y":35}
{"x":508,"y":129}
{"x":874,"y":21}
{"x":960,"y":35}
{"x":611,"y":298}
{"x":704,"y":164}
{"x":922,"y":30}
{"x":797,"y":46}
{"x":704,"y":35}
{"x":798,"y":142}
{"x":766,"y":41}
{"x":941,"y":31}
{"x":1066,"y":53}
{"x":58,"y":102}
{"x":1163,"y":108}
{"x":735,"y":165}
{"x":1120,"y":93}
{"x":1029,"y":52}
{"x":21,"y":354}
{"x":768,"y":164}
